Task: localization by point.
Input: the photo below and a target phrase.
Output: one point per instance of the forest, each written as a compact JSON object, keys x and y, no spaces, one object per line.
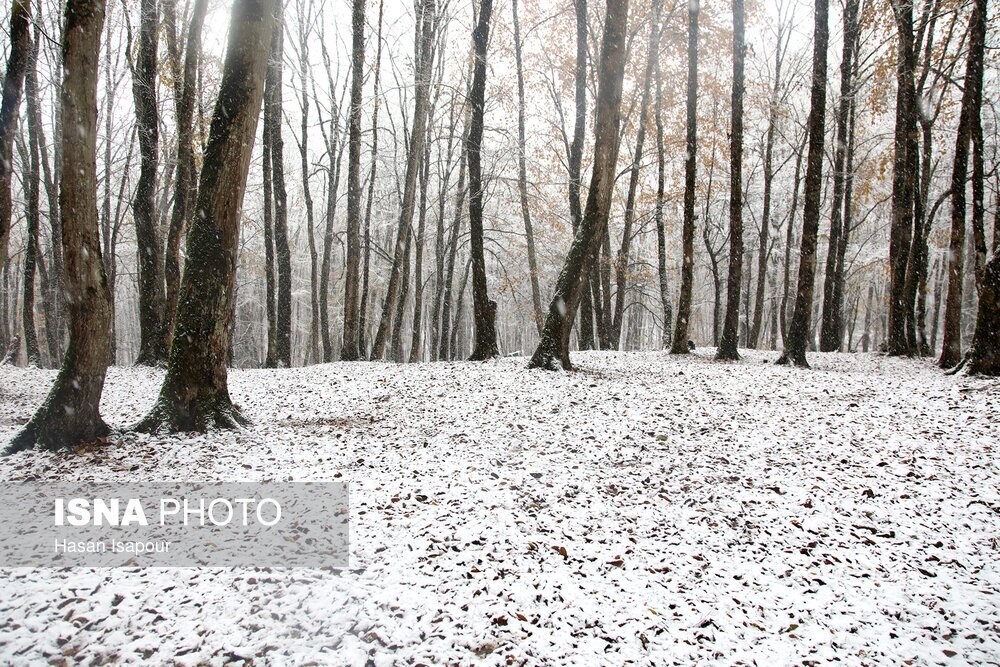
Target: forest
{"x":442,"y":249}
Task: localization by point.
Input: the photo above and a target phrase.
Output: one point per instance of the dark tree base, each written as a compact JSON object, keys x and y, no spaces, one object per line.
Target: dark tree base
{"x":727,"y":355}
{"x":549,"y":360}
{"x":200,"y":415}
{"x":486,"y":335}
{"x":793,"y":359}
{"x":54,"y":428}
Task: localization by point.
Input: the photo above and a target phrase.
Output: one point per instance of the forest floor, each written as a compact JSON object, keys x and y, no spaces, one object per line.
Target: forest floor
{"x":646,"y":509}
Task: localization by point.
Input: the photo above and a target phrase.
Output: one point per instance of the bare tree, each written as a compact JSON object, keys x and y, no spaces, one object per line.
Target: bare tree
{"x":731,"y":325}
{"x":553,"y":347}
{"x":798,"y":329}
{"x":681,"y":337}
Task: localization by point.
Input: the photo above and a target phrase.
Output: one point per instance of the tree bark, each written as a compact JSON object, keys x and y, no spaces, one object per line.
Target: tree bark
{"x":426,"y":32}
{"x":575,"y":162}
{"x":731,"y":325}
{"x":799,"y":328}
{"x":185,"y":185}
{"x":70,"y":414}
{"x":554,"y":345}
{"x":152,"y":299}
{"x":352,"y":279}
{"x":13,"y":86}
{"x":681,"y":335}
{"x":621,"y":262}
{"x":522,"y":177}
{"x":951,"y":346}
{"x":661,"y":236}
{"x":282,"y":251}
{"x":305,"y":31}
{"x":984,"y":354}
{"x":195,"y":392}
{"x":484,"y":309}
{"x":903,"y":181}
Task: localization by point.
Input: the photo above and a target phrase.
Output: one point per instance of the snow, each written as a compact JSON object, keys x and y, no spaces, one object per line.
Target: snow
{"x":646,"y":509}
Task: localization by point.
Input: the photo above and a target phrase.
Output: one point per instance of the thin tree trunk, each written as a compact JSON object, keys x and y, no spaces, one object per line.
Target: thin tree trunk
{"x":185,"y":186}
{"x":830,"y":331}
{"x":314,"y":320}
{"x":484,"y":308}
{"x":195,"y":392}
{"x":553,"y":347}
{"x":731,"y":325}
{"x":681,"y":334}
{"x":13,"y":85}
{"x":70,"y":414}
{"x":661,"y":237}
{"x":951,"y":350}
{"x":31,"y":254}
{"x":282,"y":251}
{"x":427,"y":32}
{"x":522,"y":176}
{"x":575,"y":160}
{"x":352,"y":279}
{"x":152,"y":300}
{"x":621,"y":263}
{"x":799,"y":328}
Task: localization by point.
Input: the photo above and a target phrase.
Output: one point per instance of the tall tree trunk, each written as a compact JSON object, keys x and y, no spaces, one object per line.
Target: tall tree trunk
{"x":553,"y":347}
{"x":282,"y":251}
{"x":352,"y":278}
{"x":830,"y":329}
{"x":681,"y":335}
{"x":731,"y":324}
{"x":621,"y":263}
{"x":446,"y":349}
{"x":305,"y":31}
{"x":484,"y":308}
{"x":427,"y":31}
{"x":270,"y":284}
{"x":32,"y":256}
{"x":363,"y":308}
{"x":661,"y":236}
{"x":195,"y":392}
{"x":522,"y":176}
{"x":13,"y":85}
{"x":152,"y":299}
{"x":765,"y":219}
{"x":984,"y":354}
{"x":790,"y":237}
{"x":70,"y":414}
{"x":799,"y":327}
{"x":972,"y":96}
{"x":903,"y":180}
{"x":185,"y":186}
{"x":335,"y":153}
{"x":575,"y":161}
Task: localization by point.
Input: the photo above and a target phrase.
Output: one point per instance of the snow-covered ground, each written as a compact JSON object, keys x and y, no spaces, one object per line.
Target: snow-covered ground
{"x":644,"y":510}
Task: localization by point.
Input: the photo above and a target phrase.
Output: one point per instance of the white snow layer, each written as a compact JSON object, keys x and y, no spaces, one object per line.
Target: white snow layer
{"x":646,"y":510}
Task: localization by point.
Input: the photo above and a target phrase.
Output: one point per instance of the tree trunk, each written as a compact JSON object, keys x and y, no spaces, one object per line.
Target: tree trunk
{"x":661,"y":237}
{"x":484,"y":308}
{"x":270,"y":285}
{"x":349,"y":351}
{"x":70,"y":414}
{"x":903,"y":180}
{"x":335,"y":153}
{"x":984,"y":354}
{"x":185,"y":186}
{"x":830,"y":331}
{"x":765,"y":219}
{"x":681,"y":335}
{"x":31,"y":254}
{"x":195,"y":392}
{"x":799,"y":328}
{"x":951,"y":350}
{"x":305,"y":32}
{"x":427,"y":32}
{"x":522,"y":177}
{"x":13,"y":85}
{"x":282,"y":251}
{"x":575,"y":163}
{"x":731,"y":326}
{"x":621,"y":263}
{"x":553,"y":347}
{"x":152,"y":300}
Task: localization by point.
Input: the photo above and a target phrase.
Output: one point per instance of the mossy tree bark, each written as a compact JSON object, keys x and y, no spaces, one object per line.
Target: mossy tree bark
{"x":195,"y":393}
{"x":553,"y":348}
{"x":70,"y":414}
